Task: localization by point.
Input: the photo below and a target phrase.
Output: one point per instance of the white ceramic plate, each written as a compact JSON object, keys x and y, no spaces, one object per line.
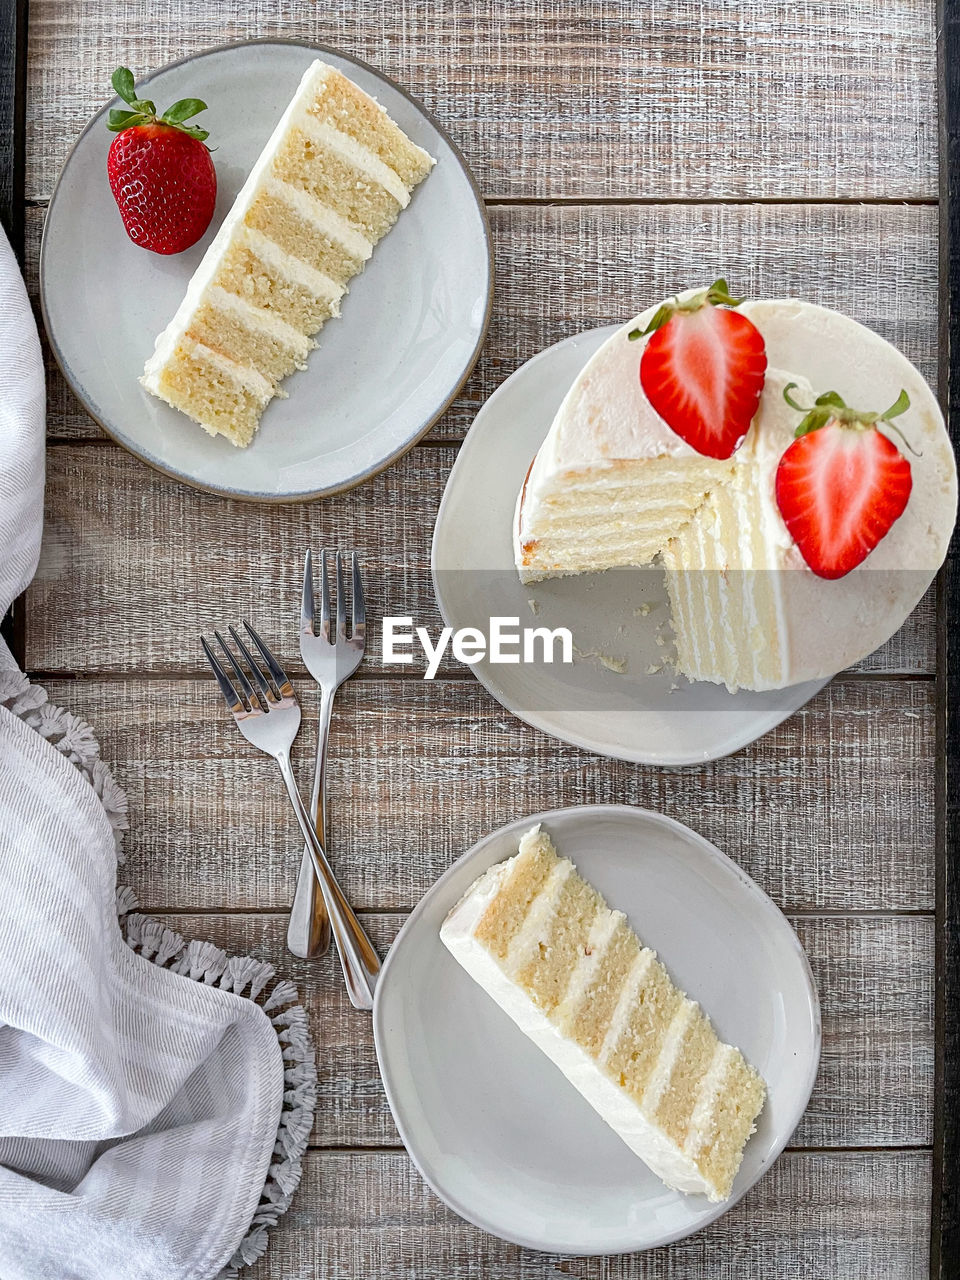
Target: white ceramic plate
{"x":411,"y":328}
{"x":494,"y":1127}
{"x":650,"y":717}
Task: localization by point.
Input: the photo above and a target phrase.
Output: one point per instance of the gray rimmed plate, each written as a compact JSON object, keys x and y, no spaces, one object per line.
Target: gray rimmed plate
{"x":412,"y":324}
{"x":619,"y":696}
{"x":494,"y":1127}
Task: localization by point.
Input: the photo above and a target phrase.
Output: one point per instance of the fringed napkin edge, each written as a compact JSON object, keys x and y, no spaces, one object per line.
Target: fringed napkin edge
{"x":202,"y":961}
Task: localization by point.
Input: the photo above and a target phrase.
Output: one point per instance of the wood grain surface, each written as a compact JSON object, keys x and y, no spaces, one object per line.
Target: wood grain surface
{"x":877,"y":263}
{"x":156,"y":562}
{"x":624,"y":150}
{"x":873,"y":974}
{"x":690,"y":99}
{"x":830,"y":1216}
{"x":419,"y":772}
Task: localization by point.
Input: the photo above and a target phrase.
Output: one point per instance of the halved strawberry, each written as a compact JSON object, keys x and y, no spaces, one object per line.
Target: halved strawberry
{"x":703,"y":369}
{"x":841,"y":484}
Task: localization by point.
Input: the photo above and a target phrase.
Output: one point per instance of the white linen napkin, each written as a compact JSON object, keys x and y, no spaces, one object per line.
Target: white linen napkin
{"x":152,"y":1117}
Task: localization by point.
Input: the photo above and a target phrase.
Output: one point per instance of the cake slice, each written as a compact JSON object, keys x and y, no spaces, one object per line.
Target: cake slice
{"x":330,"y":183}
{"x":575,"y":978}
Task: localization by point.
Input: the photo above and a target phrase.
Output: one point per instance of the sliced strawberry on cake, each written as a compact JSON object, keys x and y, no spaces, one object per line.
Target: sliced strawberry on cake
{"x":703,"y":369}
{"x":842,"y":483}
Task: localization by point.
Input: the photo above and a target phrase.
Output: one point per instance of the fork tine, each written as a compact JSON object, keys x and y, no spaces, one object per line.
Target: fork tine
{"x":258,"y":675}
{"x":324,"y":597}
{"x":307,"y":606}
{"x":359,"y":624}
{"x":230,"y":695}
{"x":274,"y":667}
{"x":241,"y":675}
{"x":341,"y":601}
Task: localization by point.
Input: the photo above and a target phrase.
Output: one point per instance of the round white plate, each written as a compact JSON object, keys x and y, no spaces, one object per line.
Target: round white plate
{"x":492,"y":1124}
{"x":411,"y":328}
{"x":620,"y":617}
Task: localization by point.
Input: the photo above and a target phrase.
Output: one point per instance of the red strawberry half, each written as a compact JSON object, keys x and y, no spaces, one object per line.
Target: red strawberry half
{"x":703,"y":369}
{"x":160,"y":171}
{"x":841,"y":484}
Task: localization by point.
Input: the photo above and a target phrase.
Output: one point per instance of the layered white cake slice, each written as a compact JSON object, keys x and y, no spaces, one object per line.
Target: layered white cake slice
{"x":329,"y":184}
{"x":614,"y":486}
{"x":575,"y":978}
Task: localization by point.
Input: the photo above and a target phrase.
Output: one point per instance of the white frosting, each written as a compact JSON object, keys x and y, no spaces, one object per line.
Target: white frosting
{"x":355,"y":154}
{"x":825,"y":625}
{"x":253,"y":381}
{"x":676,"y":1168}
{"x":322,"y":216}
{"x":711,"y":1087}
{"x":296,"y":115}
{"x":293,"y":269}
{"x":258,"y":318}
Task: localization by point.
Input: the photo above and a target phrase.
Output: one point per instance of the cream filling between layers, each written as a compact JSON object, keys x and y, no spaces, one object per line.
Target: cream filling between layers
{"x":257,"y":318}
{"x":670,"y":1048}
{"x":247,"y":378}
{"x":322,"y":216}
{"x":356,"y":155}
{"x":711,"y":1086}
{"x":598,"y":940}
{"x":535,"y":927}
{"x":285,"y":264}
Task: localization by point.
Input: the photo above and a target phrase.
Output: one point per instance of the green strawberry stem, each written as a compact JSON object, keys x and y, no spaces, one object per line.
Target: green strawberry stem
{"x":831,"y":407}
{"x":718,"y":295}
{"x":144,"y":112}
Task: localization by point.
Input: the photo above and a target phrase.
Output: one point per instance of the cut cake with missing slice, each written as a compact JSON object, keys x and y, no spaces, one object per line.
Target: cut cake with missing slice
{"x":575,"y":978}
{"x":332,"y":180}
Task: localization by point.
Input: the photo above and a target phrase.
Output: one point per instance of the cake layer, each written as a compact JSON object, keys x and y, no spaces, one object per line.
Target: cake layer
{"x":575,"y":978}
{"x":330,"y":182}
{"x":611,"y":516}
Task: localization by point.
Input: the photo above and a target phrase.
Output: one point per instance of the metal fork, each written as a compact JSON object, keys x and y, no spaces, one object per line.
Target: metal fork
{"x":331,"y":659}
{"x":269,"y":719}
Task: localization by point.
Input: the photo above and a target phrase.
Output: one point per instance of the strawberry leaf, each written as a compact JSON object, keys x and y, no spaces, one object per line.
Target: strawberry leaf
{"x":900,"y":405}
{"x":832,"y":398}
{"x":814,"y":420}
{"x":183,"y":110}
{"x":123,"y":84}
{"x":661,"y":316}
{"x":718,"y":295}
{"x":790,"y":400}
{"x":117,"y":121}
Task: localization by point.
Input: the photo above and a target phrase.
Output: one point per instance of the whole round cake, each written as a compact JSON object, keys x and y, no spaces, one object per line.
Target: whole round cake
{"x":787,"y":467}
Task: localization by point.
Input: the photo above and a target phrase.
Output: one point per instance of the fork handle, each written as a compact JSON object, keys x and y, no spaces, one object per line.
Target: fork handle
{"x":359,"y":961}
{"x":308,"y":929}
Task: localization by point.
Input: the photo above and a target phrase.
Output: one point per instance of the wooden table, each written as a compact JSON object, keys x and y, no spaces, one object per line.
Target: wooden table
{"x":625,"y":149}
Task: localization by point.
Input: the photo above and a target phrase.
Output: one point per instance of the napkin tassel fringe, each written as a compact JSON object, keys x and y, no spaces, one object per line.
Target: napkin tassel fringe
{"x":201,"y":961}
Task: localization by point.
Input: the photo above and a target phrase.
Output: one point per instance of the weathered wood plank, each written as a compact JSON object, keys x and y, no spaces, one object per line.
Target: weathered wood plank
{"x":819,"y":1216}
{"x":874,"y":976}
{"x":563,"y":270}
{"x":146,"y":563}
{"x":611,"y":99}
{"x":823,"y":812}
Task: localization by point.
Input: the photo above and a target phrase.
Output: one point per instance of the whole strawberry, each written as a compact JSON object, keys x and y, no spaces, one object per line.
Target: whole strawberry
{"x":161,"y":174}
{"x":842,"y":483}
{"x":703,"y":369}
